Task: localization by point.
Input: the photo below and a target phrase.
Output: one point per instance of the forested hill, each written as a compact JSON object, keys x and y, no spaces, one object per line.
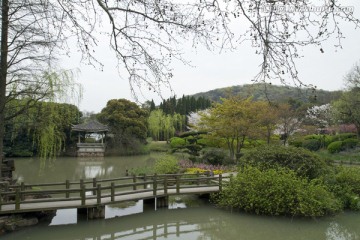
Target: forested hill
{"x":272,"y":93}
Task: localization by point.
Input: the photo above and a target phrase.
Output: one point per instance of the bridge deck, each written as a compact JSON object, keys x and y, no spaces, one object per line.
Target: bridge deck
{"x":133,"y":196}
{"x":93,"y":193}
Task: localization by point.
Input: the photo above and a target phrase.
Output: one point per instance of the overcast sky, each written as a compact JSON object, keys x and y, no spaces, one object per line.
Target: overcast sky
{"x":214,"y":70}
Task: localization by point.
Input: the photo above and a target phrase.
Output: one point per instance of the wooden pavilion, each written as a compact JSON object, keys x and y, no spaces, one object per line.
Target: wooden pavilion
{"x":93,"y":134}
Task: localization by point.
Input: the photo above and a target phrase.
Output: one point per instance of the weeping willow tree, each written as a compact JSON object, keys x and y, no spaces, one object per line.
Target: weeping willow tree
{"x":50,"y":137}
{"x":46,"y":120}
{"x":163,"y":126}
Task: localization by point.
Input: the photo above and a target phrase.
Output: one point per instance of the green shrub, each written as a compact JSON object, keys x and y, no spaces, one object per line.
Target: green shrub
{"x":158,"y":146}
{"x":215,"y":156}
{"x":324,"y":140}
{"x":277,"y":192}
{"x":311,"y":144}
{"x":166,"y":164}
{"x":313,"y":136}
{"x":347,"y":187}
{"x":177,"y":142}
{"x":191,"y":139}
{"x":209,"y":141}
{"x":253,"y":143}
{"x":343,"y":136}
{"x":350,"y":143}
{"x":335,"y":147}
{"x":19,"y":151}
{"x":296,"y":143}
{"x":302,"y":161}
{"x":328,"y":139}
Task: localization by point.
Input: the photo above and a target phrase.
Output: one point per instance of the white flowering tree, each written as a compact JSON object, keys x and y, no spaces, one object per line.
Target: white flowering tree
{"x":321,"y":116}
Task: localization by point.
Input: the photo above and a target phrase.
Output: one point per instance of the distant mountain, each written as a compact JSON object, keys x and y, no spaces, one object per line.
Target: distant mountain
{"x":272,"y":93}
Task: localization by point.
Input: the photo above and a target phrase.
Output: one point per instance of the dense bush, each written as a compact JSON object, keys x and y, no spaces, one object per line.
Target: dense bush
{"x":311,"y":144}
{"x":343,"y":136}
{"x":350,"y":143}
{"x":302,"y":161}
{"x":347,"y":187}
{"x":296,"y":142}
{"x":166,"y":164}
{"x":324,"y":140}
{"x":177,"y":142}
{"x":277,"y":192}
{"x":335,"y":147}
{"x":215,"y":156}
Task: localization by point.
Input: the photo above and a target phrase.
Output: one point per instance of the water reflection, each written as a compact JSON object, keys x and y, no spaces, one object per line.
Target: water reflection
{"x":93,"y":168}
{"x":204,"y":222}
{"x":337,"y":232}
{"x":123,"y":209}
{"x":30,"y":170}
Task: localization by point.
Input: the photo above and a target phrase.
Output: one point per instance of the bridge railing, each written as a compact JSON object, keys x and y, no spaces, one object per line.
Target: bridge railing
{"x":89,"y":189}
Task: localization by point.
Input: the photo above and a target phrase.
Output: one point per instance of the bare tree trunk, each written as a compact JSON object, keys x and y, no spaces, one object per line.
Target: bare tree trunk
{"x":3,"y":72}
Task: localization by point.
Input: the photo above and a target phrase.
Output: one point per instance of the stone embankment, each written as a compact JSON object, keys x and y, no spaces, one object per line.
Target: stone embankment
{"x":15,"y":222}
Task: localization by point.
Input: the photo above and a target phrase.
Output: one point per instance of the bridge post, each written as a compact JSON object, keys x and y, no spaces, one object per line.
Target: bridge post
{"x":177,"y":184}
{"x":112,"y":191}
{"x":94,"y":186}
{"x":155,"y":185}
{"x":134,"y":181}
{"x":98,"y":193}
{"x":97,"y":212}
{"x":17,"y":199}
{"x":198,"y":178}
{"x":220,"y":182}
{"x":145,"y":178}
{"x":165,"y":185}
{"x":82,"y":192}
{"x":67,"y":186}
{"x":207,"y":177}
{"x":22,"y":188}
{"x":162,"y":202}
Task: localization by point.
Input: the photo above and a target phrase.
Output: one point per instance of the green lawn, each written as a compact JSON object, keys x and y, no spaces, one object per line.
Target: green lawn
{"x":158,"y":146}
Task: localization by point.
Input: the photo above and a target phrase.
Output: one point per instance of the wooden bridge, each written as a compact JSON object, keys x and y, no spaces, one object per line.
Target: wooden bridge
{"x":91,"y":196}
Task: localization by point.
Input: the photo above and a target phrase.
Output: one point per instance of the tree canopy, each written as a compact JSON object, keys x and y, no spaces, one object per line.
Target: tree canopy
{"x":348,"y":106}
{"x":126,"y":121}
{"x":43,"y":130}
{"x":234,"y":120}
{"x":163,"y":126}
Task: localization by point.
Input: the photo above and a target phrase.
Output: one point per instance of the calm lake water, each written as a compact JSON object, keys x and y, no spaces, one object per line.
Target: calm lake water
{"x":186,"y":218}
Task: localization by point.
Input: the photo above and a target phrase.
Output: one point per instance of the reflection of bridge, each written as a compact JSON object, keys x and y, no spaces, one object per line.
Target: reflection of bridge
{"x":93,"y":195}
{"x":149,"y":225}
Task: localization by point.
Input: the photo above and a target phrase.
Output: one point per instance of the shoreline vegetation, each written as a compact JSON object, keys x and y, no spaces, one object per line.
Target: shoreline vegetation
{"x":278,"y":180}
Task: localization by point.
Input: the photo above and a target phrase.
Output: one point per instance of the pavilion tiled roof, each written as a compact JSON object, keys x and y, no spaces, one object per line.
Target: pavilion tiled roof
{"x":91,"y":126}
